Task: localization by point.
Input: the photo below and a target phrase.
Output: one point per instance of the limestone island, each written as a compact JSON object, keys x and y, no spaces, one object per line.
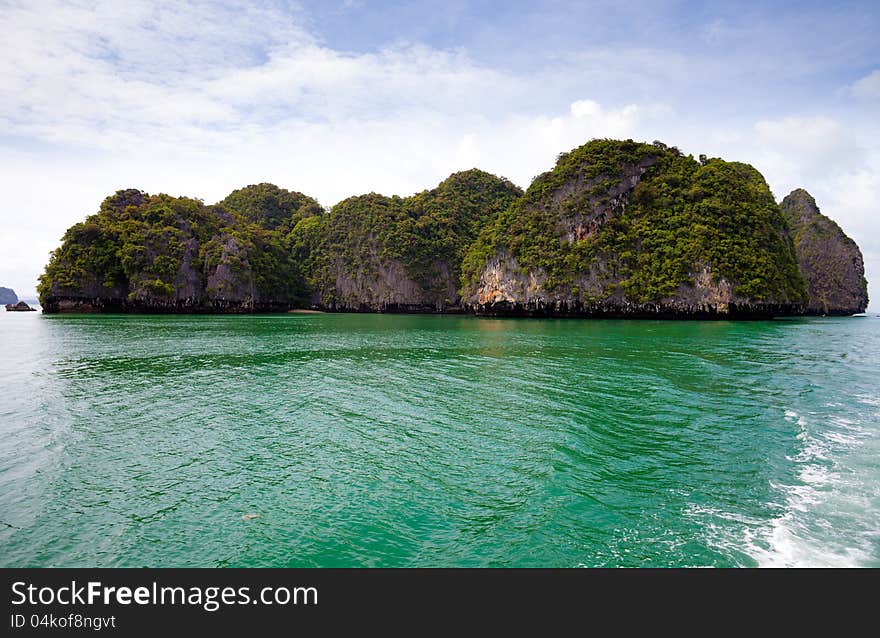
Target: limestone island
{"x":21,"y":306}
{"x":615,"y":229}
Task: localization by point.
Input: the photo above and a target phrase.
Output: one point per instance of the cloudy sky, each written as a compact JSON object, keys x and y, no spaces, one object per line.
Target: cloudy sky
{"x":336,"y":98}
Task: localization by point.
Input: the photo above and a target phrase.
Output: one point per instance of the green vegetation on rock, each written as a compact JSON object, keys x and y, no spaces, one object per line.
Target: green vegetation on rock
{"x":163,"y":253}
{"x":271,"y":207}
{"x":635,"y":223}
{"x":373,"y":251}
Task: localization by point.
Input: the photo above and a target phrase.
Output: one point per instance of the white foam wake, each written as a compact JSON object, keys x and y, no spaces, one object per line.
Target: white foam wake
{"x":830,"y":516}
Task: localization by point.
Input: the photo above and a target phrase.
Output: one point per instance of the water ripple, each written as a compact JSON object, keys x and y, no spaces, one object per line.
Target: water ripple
{"x":361,"y":440}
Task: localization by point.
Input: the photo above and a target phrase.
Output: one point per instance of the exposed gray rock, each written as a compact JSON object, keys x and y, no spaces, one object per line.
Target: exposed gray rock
{"x":231,"y":282}
{"x":830,"y":262}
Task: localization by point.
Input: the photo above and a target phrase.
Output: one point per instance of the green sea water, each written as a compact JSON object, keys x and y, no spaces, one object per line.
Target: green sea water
{"x":380,"y":440}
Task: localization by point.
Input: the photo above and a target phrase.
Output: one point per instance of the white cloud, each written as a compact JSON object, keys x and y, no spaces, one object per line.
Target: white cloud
{"x":800,"y":134}
{"x":394,"y":119}
{"x":868,"y":86}
{"x":797,"y":151}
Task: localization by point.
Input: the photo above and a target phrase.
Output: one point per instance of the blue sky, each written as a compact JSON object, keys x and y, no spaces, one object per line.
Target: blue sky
{"x":339,"y":98}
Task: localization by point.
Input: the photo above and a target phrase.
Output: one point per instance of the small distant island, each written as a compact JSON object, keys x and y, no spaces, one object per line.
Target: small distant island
{"x":21,"y":306}
{"x":8,"y":296}
{"x":615,"y":229}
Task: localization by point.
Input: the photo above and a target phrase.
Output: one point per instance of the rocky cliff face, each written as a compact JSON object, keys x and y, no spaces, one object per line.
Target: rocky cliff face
{"x":628,"y":229}
{"x":829,"y":261}
{"x":507,"y":289}
{"x":7,"y":295}
{"x":374,"y":253}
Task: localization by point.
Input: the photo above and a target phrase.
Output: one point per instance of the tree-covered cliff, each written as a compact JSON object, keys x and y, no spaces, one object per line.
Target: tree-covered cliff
{"x":271,"y":207}
{"x":157,"y":253}
{"x":374,"y":252}
{"x":624,"y":228}
{"x":265,"y":248}
{"x":830,"y":262}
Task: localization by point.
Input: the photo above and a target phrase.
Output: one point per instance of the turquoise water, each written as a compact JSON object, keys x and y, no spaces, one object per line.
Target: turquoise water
{"x":377,"y":440}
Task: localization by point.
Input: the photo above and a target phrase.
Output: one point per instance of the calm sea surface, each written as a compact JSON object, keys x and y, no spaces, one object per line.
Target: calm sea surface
{"x":377,"y":440}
